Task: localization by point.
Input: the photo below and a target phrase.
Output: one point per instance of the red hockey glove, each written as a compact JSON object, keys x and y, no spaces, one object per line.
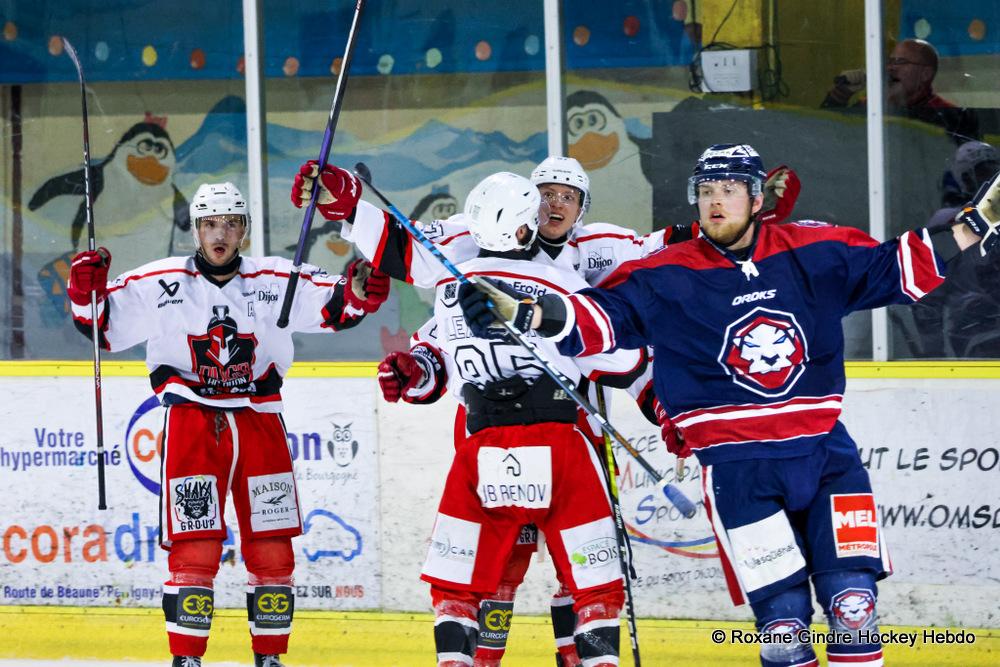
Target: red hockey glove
{"x":671,"y":435}
{"x":339,"y":192}
{"x":781,"y":191}
{"x":398,"y":373}
{"x":89,"y":273}
{"x":368,"y":288}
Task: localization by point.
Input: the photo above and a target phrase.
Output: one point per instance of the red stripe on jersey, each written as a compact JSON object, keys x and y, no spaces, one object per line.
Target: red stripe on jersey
{"x":282,"y":274}
{"x":918,"y":271}
{"x":774,"y":239}
{"x":608,"y":235}
{"x":698,"y":254}
{"x":701,"y":255}
{"x":382,"y":240}
{"x":407,"y":255}
{"x":449,"y":239}
{"x":592,"y":324}
{"x":129,"y":279}
{"x":874,"y":657}
{"x":732,"y":582}
{"x":796,"y":418}
{"x":504,"y":274}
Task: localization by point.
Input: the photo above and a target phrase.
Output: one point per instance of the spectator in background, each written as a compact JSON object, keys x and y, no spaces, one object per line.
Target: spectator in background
{"x":910,"y":72}
{"x":962,"y":318}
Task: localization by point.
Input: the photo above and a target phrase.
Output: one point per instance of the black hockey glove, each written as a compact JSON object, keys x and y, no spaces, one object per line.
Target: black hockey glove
{"x":508,"y":304}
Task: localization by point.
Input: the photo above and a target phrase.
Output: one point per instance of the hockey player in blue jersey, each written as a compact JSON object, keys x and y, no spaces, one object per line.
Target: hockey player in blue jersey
{"x":745,"y":323}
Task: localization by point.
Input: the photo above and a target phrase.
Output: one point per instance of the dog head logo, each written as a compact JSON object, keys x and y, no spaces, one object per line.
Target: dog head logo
{"x":764,"y":351}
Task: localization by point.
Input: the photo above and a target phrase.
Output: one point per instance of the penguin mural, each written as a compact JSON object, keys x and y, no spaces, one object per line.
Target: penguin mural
{"x":139,"y":212}
{"x":438,"y":205}
{"x":617,"y":162}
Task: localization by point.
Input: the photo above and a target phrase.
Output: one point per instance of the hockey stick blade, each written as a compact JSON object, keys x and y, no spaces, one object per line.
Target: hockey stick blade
{"x":365,"y":174}
{"x":679,"y":500}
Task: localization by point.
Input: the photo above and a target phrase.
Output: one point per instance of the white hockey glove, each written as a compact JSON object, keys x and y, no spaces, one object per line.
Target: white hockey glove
{"x":982,"y":214}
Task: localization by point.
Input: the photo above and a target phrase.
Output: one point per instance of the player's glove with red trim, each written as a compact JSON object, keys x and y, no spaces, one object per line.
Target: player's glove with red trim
{"x":671,"y":435}
{"x":339,"y":192}
{"x":781,"y":191}
{"x":368,"y":287}
{"x":398,"y":373}
{"x":89,"y":273}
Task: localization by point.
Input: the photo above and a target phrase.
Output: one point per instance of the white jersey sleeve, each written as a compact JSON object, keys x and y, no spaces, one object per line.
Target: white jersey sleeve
{"x":319,"y":304}
{"x":124,"y":314}
{"x":217,"y":344}
{"x":603,"y":248}
{"x":386,"y":244}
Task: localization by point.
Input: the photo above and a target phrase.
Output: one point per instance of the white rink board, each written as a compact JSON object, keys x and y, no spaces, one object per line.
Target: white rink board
{"x":947,"y":570}
{"x":945,"y":573}
{"x":59,"y":549}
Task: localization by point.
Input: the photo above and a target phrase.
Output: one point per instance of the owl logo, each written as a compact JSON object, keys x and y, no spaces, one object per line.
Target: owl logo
{"x":343,"y":447}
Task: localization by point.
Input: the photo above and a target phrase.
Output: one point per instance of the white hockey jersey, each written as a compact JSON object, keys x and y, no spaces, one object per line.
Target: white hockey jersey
{"x":218,"y":346}
{"x":593,"y":250}
{"x":448,"y":351}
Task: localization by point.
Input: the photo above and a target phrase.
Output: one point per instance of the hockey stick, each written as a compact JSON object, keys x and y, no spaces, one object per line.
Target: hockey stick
{"x":324,"y":154}
{"x":91,"y":245}
{"x":673,"y":494}
{"x":620,"y":535}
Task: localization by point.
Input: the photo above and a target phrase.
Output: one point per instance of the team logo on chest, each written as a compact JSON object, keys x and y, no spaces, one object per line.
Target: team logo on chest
{"x":223,"y":358}
{"x":764,"y":351}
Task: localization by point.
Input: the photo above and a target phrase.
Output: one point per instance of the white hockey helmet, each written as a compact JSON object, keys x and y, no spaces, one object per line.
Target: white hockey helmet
{"x":565,"y":171}
{"x":498,"y":206}
{"x":218,"y":199}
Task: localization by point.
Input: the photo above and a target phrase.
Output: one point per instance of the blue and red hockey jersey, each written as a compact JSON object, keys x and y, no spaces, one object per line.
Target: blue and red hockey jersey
{"x":750,"y":355}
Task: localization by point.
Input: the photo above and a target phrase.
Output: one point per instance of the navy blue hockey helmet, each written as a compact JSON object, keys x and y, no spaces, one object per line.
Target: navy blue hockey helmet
{"x":723,"y":162}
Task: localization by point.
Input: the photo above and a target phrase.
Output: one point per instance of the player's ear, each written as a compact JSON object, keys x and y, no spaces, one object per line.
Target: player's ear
{"x":758,"y":203}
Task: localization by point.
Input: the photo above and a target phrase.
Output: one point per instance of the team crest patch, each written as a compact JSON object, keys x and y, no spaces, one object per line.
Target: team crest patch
{"x":853,"y":608}
{"x":764,"y":351}
{"x":195,"y":503}
{"x":223,"y":358}
{"x":784,"y":626}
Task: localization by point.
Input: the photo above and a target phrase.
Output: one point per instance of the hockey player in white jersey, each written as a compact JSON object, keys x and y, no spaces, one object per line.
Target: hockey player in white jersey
{"x":524,"y":460}
{"x":216,"y":360}
{"x":594,"y":249}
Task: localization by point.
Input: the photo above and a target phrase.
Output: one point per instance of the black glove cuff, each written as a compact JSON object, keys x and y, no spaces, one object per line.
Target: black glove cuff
{"x":943,"y":240}
{"x":553,"y":315}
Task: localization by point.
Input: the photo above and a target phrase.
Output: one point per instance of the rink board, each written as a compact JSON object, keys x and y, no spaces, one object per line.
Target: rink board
{"x":59,"y":549}
{"x":370,"y":475}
